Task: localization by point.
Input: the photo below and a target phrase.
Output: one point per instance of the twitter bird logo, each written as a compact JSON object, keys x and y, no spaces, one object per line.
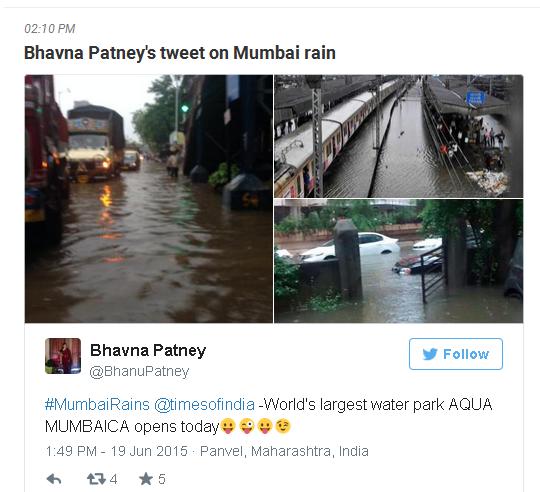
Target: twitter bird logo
{"x":430,"y":354}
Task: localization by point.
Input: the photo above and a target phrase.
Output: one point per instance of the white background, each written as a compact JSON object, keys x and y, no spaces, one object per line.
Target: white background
{"x":480,"y":450}
{"x":367,"y":41}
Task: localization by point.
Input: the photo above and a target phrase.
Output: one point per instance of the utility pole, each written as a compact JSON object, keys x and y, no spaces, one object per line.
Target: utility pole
{"x":177,"y":79}
{"x":177,"y":88}
{"x":314,"y":82}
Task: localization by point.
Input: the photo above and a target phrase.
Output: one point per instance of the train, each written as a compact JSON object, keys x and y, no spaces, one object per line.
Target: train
{"x":294,"y":153}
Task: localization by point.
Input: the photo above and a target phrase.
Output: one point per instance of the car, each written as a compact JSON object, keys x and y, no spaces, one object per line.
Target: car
{"x":428,"y":244}
{"x":370,"y":243}
{"x":283,"y":253}
{"x":414,"y":264}
{"x":132,"y":160}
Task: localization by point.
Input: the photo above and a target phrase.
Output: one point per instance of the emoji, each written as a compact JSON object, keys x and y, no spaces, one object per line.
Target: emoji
{"x":283,"y":426}
{"x":246,"y":425}
{"x":227,"y":425}
{"x":264,"y":426}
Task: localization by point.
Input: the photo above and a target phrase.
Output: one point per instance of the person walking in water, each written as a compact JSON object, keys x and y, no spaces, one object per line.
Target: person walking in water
{"x":174,"y":161}
{"x":501,"y":138}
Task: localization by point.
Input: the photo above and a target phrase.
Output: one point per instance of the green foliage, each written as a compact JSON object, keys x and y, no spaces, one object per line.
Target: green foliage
{"x":325,"y":304}
{"x":311,"y":223}
{"x":219,"y":178}
{"x":364,"y":216}
{"x":442,"y":217}
{"x":155,"y":121}
{"x":287,"y":226}
{"x":286,"y":278}
{"x":403,"y":215}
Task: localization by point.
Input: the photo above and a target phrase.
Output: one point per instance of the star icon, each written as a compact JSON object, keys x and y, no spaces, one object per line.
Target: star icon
{"x":146,"y":479}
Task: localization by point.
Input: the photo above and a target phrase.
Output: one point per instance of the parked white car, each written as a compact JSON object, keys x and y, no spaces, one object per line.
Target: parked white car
{"x":370,"y":243}
{"x":427,"y":244}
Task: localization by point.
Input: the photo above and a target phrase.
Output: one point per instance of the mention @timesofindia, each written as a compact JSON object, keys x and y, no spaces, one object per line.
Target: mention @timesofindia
{"x":158,"y":349}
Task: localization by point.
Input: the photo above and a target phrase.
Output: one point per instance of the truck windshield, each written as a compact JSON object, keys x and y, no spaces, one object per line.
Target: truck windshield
{"x":88,"y":141}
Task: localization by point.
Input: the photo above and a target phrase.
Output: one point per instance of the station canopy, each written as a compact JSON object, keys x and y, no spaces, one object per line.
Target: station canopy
{"x":293,"y":101}
{"x":450,"y":96}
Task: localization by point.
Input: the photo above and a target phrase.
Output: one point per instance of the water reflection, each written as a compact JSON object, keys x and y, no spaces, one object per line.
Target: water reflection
{"x":409,"y":166}
{"x":392,"y":298}
{"x":145,"y":248}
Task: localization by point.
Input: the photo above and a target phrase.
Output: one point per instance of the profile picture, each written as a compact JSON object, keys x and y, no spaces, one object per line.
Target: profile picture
{"x":63,"y":355}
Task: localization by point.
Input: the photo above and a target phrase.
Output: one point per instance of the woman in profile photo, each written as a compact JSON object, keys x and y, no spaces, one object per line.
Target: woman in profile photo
{"x":66,"y":359}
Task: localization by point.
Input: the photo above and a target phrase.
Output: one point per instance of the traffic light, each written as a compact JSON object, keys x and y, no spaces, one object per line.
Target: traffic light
{"x":184,"y":108}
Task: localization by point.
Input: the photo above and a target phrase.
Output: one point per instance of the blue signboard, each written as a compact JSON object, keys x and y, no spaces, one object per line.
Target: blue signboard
{"x":476,"y":98}
{"x":233,"y":88}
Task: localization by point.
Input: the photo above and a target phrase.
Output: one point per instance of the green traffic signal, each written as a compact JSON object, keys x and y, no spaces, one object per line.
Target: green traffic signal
{"x":184,"y":108}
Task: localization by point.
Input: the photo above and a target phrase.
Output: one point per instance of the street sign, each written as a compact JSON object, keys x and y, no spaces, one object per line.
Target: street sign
{"x":177,"y":138}
{"x":476,"y":98}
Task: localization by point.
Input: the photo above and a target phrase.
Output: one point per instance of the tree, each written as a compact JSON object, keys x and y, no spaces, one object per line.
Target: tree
{"x":494,"y":228}
{"x":155,"y":121}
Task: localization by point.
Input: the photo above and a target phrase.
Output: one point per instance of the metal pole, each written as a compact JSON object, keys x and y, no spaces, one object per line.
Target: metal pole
{"x":177,"y":88}
{"x":318,"y":163}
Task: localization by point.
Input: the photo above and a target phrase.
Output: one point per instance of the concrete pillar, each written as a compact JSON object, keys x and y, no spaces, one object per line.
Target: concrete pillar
{"x":247,"y":192}
{"x":199,"y":174}
{"x":348,"y":255}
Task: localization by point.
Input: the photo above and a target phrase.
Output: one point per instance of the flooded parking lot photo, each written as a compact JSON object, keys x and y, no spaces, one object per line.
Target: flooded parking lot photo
{"x":398,"y":261}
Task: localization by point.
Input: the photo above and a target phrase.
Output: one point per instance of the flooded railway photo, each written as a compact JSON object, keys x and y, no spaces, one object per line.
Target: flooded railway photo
{"x":142,"y":204}
{"x":446,"y":136}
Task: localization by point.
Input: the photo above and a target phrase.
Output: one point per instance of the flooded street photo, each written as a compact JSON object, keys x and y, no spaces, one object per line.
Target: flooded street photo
{"x":146,"y":205}
{"x":147,"y":248}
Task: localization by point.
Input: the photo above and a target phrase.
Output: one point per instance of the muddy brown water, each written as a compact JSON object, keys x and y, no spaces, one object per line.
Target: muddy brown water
{"x":392,"y":298}
{"x":409,"y":166}
{"x":148,"y":248}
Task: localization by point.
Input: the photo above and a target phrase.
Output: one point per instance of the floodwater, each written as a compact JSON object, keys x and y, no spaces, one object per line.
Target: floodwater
{"x":392,"y":298}
{"x":409,"y":166}
{"x":148,"y":248}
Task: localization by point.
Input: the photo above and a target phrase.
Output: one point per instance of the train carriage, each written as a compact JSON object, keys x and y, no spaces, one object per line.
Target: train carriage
{"x":295,"y":175}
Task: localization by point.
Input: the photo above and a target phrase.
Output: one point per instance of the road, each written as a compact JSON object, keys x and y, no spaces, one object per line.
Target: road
{"x":148,"y":248}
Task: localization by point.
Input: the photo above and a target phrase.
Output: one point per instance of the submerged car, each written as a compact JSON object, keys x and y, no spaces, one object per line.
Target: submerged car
{"x":414,"y":265}
{"x":283,"y":253}
{"x":370,"y":243}
{"x":428,"y":244}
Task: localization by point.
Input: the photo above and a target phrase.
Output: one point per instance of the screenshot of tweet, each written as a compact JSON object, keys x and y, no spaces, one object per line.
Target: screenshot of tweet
{"x":271,"y":260}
